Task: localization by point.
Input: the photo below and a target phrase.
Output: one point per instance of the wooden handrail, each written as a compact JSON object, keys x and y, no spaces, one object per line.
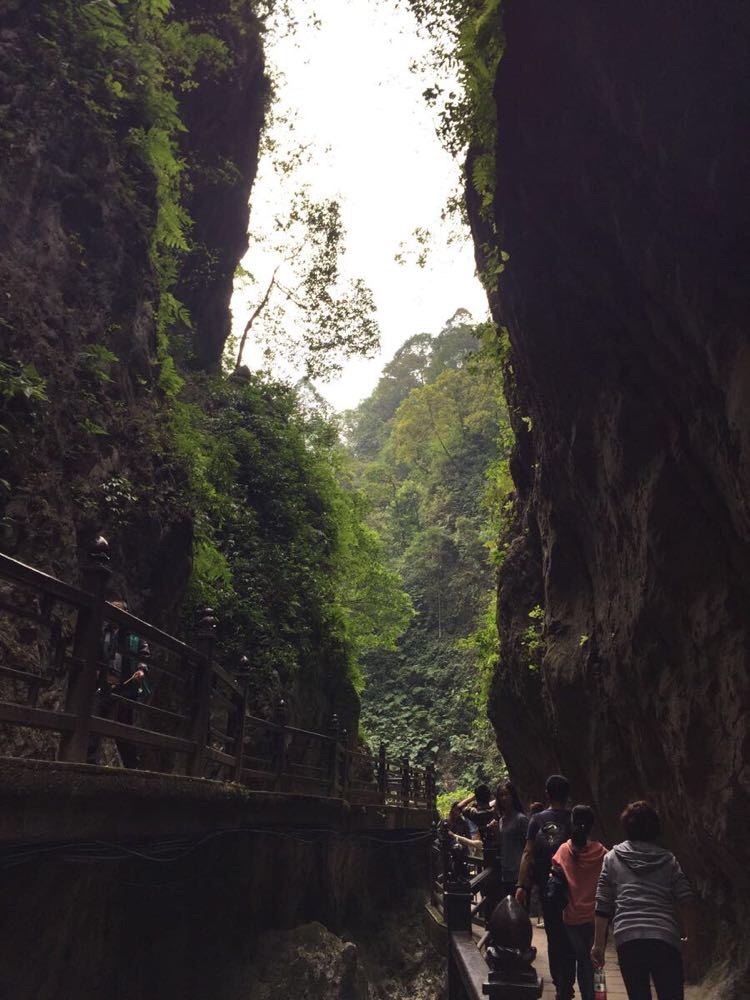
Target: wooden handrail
{"x":117,"y":616}
{"x":507,"y":972}
{"x":27,"y":576}
{"x":206,"y":714}
{"x":470,"y":967}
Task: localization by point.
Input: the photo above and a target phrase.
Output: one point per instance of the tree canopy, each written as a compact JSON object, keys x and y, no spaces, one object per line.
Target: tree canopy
{"x":432,"y":461}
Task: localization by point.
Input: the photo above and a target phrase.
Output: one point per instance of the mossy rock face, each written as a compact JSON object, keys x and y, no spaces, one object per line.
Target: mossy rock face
{"x":79,"y":210}
{"x":621,"y":159}
{"x":124,"y":211}
{"x":78,"y":207}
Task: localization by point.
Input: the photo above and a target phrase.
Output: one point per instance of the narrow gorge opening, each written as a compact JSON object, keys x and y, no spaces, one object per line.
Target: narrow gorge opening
{"x":376,"y":370}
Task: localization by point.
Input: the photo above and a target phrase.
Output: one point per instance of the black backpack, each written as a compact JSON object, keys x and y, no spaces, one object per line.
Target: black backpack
{"x":557,"y":891}
{"x":549,"y":837}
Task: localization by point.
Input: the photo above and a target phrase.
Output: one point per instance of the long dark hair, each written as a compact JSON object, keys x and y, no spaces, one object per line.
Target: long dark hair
{"x":508,"y":786}
{"x":581,"y":824}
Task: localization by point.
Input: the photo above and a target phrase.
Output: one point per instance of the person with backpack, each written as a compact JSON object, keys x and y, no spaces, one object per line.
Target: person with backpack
{"x":123,"y":681}
{"x":574,"y":876}
{"x":547,"y":831}
{"x":643,"y":891}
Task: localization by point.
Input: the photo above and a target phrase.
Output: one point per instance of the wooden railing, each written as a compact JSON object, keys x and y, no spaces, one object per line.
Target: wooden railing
{"x":479,"y":865}
{"x":196,"y":720}
{"x":489,"y":939}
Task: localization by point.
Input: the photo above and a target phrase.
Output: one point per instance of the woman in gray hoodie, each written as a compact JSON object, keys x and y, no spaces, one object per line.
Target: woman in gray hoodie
{"x":643,"y":890}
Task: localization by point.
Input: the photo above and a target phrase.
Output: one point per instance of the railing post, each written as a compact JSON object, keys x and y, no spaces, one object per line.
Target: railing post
{"x":416,"y":776}
{"x":382,"y":774}
{"x":82,"y":682}
{"x":345,"y":764}
{"x":333,"y":761}
{"x":435,"y":871}
{"x":510,"y":955}
{"x":280,"y":753}
{"x":457,"y":901}
{"x":429,"y":787}
{"x":456,"y":904}
{"x":491,"y":859}
{"x":405,"y":782}
{"x":243,"y":678}
{"x":201,"y":709}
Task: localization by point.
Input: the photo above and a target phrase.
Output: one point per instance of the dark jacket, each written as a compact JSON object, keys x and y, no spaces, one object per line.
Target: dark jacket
{"x":120,"y":658}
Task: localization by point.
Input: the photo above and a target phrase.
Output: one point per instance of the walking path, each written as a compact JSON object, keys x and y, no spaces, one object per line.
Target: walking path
{"x":615,"y":986}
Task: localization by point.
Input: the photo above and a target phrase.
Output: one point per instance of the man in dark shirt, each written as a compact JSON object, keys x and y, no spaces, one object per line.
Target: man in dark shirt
{"x":547,"y":830}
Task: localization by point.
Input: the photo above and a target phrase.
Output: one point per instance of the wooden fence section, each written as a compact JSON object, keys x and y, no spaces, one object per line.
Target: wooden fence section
{"x":196,"y":719}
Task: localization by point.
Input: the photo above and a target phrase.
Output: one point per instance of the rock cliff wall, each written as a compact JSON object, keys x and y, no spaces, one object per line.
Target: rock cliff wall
{"x":620,"y":197}
{"x":224,"y":923}
{"x":86,"y":444}
{"x":223,"y":118}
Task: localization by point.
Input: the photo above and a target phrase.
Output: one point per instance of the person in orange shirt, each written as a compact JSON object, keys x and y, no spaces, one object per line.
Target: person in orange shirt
{"x":576,"y":867}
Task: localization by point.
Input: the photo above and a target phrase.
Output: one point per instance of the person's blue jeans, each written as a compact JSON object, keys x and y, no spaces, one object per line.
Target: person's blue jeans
{"x":581,"y":937}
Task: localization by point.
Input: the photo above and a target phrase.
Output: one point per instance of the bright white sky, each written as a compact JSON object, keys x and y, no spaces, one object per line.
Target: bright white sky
{"x":352,"y":95}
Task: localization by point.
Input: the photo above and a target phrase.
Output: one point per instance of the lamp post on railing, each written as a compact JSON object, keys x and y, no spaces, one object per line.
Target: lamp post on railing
{"x":82,"y":682}
{"x":205,"y":641}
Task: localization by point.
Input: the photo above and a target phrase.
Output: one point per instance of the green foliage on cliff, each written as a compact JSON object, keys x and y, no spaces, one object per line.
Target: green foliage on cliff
{"x":434,"y":464}
{"x":145,"y":57}
{"x":282,"y":551}
{"x":467,"y":46}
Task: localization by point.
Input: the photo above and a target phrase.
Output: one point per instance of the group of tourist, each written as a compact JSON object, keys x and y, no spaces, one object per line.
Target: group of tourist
{"x":638,"y":887}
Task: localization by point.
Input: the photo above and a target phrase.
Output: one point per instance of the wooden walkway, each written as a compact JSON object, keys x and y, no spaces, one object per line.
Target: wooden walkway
{"x":615,"y":986}
{"x":196,"y":721}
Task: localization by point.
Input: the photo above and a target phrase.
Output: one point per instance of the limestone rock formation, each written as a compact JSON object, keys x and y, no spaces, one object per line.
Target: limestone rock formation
{"x":223,"y":118}
{"x":309,"y":961}
{"x":387,"y":958}
{"x":622,"y":159}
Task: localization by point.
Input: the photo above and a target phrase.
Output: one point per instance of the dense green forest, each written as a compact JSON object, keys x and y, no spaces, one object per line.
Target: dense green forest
{"x":283,"y":552}
{"x":430,"y":447}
